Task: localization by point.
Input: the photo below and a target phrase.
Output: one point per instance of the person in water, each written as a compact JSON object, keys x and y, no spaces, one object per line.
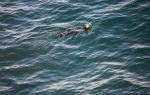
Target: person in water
{"x":86,"y":29}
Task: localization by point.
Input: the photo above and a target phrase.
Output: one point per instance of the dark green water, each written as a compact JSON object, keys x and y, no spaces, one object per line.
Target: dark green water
{"x":113,"y":59}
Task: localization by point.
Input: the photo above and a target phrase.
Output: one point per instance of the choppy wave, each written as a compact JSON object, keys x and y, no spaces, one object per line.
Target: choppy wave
{"x":113,"y":59}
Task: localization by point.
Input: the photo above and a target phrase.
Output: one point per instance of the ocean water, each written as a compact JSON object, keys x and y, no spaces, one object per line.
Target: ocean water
{"x":113,"y":59}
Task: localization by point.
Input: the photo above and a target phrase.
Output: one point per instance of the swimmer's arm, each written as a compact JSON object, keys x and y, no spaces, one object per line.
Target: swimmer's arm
{"x":60,"y":34}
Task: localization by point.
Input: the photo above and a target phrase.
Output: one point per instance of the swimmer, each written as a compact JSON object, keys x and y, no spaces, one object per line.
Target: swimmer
{"x":86,"y":29}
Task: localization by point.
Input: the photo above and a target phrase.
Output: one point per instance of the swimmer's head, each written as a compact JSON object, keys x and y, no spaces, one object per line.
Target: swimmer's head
{"x":87,"y":27}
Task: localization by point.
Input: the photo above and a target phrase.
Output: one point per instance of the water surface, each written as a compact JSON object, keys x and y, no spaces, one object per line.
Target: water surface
{"x":113,"y":59}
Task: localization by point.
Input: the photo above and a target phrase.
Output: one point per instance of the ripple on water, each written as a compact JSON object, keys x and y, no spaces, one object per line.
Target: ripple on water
{"x":112,"y":59}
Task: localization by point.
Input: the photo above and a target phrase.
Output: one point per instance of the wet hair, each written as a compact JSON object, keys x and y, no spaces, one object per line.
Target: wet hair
{"x":87,"y":26}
